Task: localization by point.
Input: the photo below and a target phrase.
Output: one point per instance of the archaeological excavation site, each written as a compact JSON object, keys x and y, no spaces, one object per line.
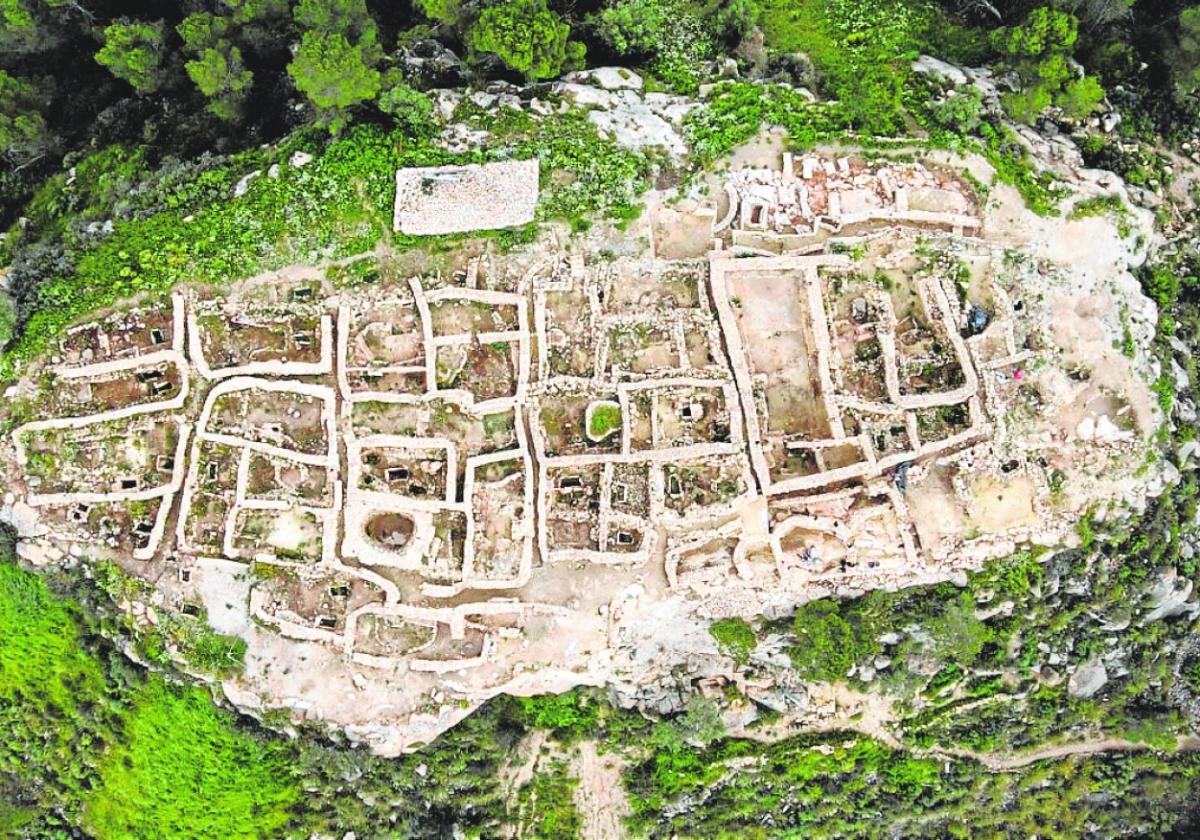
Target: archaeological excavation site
{"x":526,"y":469}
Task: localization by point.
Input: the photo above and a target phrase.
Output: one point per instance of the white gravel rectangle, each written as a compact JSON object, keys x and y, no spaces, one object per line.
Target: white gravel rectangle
{"x":434,"y":200}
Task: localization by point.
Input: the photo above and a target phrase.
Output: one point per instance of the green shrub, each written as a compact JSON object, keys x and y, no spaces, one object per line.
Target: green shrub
{"x":635,"y":27}
{"x":958,"y":636}
{"x":737,"y":18}
{"x":1081,"y":97}
{"x":22,"y":128}
{"x":960,"y":111}
{"x":571,"y":714}
{"x":734,"y":637}
{"x":605,"y":419}
{"x":831,"y":638}
{"x":1009,"y":158}
{"x":411,"y":109}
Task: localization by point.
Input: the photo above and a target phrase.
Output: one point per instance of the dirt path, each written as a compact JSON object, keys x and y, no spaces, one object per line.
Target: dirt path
{"x":521,"y":766}
{"x":871,"y":715}
{"x":994,"y":761}
{"x":600,"y":796}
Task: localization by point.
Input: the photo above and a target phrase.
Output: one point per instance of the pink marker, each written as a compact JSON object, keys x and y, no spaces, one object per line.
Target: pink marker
{"x":1018,"y":374}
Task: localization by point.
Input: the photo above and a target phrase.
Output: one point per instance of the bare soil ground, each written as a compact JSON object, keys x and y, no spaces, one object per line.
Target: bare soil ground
{"x":600,"y":796}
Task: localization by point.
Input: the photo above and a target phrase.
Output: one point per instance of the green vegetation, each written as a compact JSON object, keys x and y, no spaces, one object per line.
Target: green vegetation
{"x":1098,"y":206}
{"x":831,"y":638}
{"x":40,"y":659}
{"x":547,"y":808}
{"x":230,"y":60}
{"x":634,"y":27}
{"x":1009,"y":158}
{"x":672,"y":37}
{"x":528,"y":38}
{"x":411,"y":109}
{"x":734,"y":637}
{"x":1038,"y":49}
{"x":944,"y":656}
{"x":603,"y":421}
{"x":846,"y":785}
{"x":90,"y":740}
{"x":222,"y":77}
{"x":569,"y":715}
{"x":736,"y":111}
{"x":22,"y":128}
{"x":1191,"y":673}
{"x":134,"y":52}
{"x":182,"y":769}
{"x":339,"y":205}
{"x":333,"y":73}
{"x":860,"y":51}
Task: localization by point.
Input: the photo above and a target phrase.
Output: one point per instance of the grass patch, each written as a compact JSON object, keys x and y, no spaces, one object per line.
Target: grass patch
{"x":182,"y":769}
{"x":603,"y":420}
{"x":40,"y":657}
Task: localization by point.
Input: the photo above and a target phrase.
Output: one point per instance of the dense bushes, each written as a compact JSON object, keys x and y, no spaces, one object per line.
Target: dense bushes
{"x":832,"y":638}
{"x":1040,"y":49}
{"x":734,"y":637}
{"x":845,"y":785}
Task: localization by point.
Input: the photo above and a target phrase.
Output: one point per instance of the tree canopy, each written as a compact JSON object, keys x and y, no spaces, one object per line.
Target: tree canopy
{"x":333,"y":73}
{"x":135,"y":52}
{"x":345,"y":17}
{"x":221,"y":76}
{"x":528,"y":38}
{"x":22,"y":128}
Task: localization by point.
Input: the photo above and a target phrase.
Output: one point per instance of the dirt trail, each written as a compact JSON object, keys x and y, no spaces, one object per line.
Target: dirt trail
{"x":871,"y":715}
{"x":521,"y":766}
{"x":994,"y":761}
{"x":600,"y":796}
